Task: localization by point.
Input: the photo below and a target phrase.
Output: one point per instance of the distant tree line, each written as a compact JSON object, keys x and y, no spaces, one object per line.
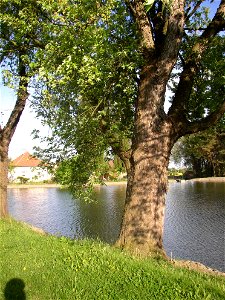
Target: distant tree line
{"x":203,"y":153}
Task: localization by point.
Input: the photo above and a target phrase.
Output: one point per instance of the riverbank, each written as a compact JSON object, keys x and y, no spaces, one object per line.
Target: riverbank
{"x":47,"y":267}
{"x":209,"y":179}
{"x":107,"y":183}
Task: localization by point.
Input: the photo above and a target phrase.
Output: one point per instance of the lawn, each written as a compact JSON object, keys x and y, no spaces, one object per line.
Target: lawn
{"x":35,"y":266}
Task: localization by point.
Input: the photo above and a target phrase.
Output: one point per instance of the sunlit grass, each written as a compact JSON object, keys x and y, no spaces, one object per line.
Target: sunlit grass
{"x":58,"y":268}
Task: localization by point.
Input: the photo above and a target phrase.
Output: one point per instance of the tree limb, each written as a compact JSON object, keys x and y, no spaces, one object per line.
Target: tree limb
{"x":22,"y":96}
{"x":139,"y":13}
{"x":208,"y":121}
{"x":196,"y":7}
{"x":217,"y":24}
{"x":182,"y":95}
{"x":182,"y":59}
{"x":172,"y":30}
{"x":12,"y":45}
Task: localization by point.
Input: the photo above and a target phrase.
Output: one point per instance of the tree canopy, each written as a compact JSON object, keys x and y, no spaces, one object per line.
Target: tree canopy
{"x":90,"y":75}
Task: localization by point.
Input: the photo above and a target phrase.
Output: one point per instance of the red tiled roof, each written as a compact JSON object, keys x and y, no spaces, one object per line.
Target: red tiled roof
{"x":26,"y":160}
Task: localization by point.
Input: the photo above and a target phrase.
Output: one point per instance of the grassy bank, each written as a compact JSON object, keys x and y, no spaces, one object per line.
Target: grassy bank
{"x":47,"y":268}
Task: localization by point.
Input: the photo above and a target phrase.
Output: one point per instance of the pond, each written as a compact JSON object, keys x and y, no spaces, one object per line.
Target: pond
{"x":194,"y":218}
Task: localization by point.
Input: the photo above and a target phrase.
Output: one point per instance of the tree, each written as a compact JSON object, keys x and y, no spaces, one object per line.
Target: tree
{"x":203,"y":152}
{"x":6,"y":134}
{"x":156,"y":132}
{"x":18,"y":44}
{"x":119,"y":57}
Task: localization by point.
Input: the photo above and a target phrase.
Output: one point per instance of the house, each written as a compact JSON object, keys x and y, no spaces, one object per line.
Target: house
{"x":28,"y":167}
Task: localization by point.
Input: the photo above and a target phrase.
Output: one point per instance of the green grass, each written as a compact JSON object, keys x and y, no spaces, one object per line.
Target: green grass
{"x":59,"y":268}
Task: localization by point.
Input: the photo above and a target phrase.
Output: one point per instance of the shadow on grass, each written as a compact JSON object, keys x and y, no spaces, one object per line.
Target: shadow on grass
{"x":14,"y":289}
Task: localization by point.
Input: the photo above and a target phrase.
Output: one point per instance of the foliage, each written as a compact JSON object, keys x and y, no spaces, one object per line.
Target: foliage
{"x":203,"y":152}
{"x":209,"y":84}
{"x":88,"y":84}
{"x":88,"y":87}
{"x":173,"y":172}
{"x":82,"y":185}
{"x":23,"y":179}
{"x":59,"y":268}
{"x":208,"y":88}
{"x":20,"y":39}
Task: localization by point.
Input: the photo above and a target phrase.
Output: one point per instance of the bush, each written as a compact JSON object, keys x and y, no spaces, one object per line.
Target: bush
{"x":22,"y":179}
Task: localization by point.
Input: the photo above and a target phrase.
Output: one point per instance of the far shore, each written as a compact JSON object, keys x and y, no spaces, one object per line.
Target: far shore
{"x":30,"y":185}
{"x":107,"y":183}
{"x":54,"y":185}
{"x":209,"y":179}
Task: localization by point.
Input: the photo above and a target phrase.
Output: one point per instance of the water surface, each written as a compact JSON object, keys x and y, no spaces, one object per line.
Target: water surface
{"x":194,"y":218}
{"x":195,"y":222}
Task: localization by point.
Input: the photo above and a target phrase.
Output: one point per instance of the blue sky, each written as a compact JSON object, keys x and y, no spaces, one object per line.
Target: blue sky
{"x":22,"y":140}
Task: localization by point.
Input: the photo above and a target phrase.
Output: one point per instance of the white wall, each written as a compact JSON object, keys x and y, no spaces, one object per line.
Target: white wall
{"x":34,"y":174}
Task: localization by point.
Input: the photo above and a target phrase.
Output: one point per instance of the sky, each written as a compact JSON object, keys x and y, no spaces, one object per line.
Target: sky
{"x":22,"y":140}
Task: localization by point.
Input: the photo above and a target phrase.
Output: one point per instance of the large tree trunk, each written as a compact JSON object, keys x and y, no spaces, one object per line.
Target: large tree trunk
{"x":142,"y":226}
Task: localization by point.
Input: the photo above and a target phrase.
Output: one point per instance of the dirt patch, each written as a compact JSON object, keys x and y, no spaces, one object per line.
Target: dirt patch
{"x":192,"y":265}
{"x":37,"y":230}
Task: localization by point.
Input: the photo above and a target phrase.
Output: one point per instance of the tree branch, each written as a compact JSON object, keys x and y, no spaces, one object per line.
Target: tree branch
{"x":217,"y":24}
{"x":182,"y":95}
{"x":182,"y":59}
{"x":124,"y":155}
{"x":22,"y":96}
{"x":205,"y":123}
{"x":139,"y":13}
{"x":196,"y":7}
{"x":171,"y":29}
{"x":12,"y":45}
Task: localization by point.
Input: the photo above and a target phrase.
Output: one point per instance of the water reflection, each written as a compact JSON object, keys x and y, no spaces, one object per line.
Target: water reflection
{"x":56,"y":212}
{"x":194,"y":221}
{"x":51,"y":209}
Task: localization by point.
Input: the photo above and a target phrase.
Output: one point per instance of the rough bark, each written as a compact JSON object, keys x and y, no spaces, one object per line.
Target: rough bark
{"x":142,"y":226}
{"x":124,"y":156}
